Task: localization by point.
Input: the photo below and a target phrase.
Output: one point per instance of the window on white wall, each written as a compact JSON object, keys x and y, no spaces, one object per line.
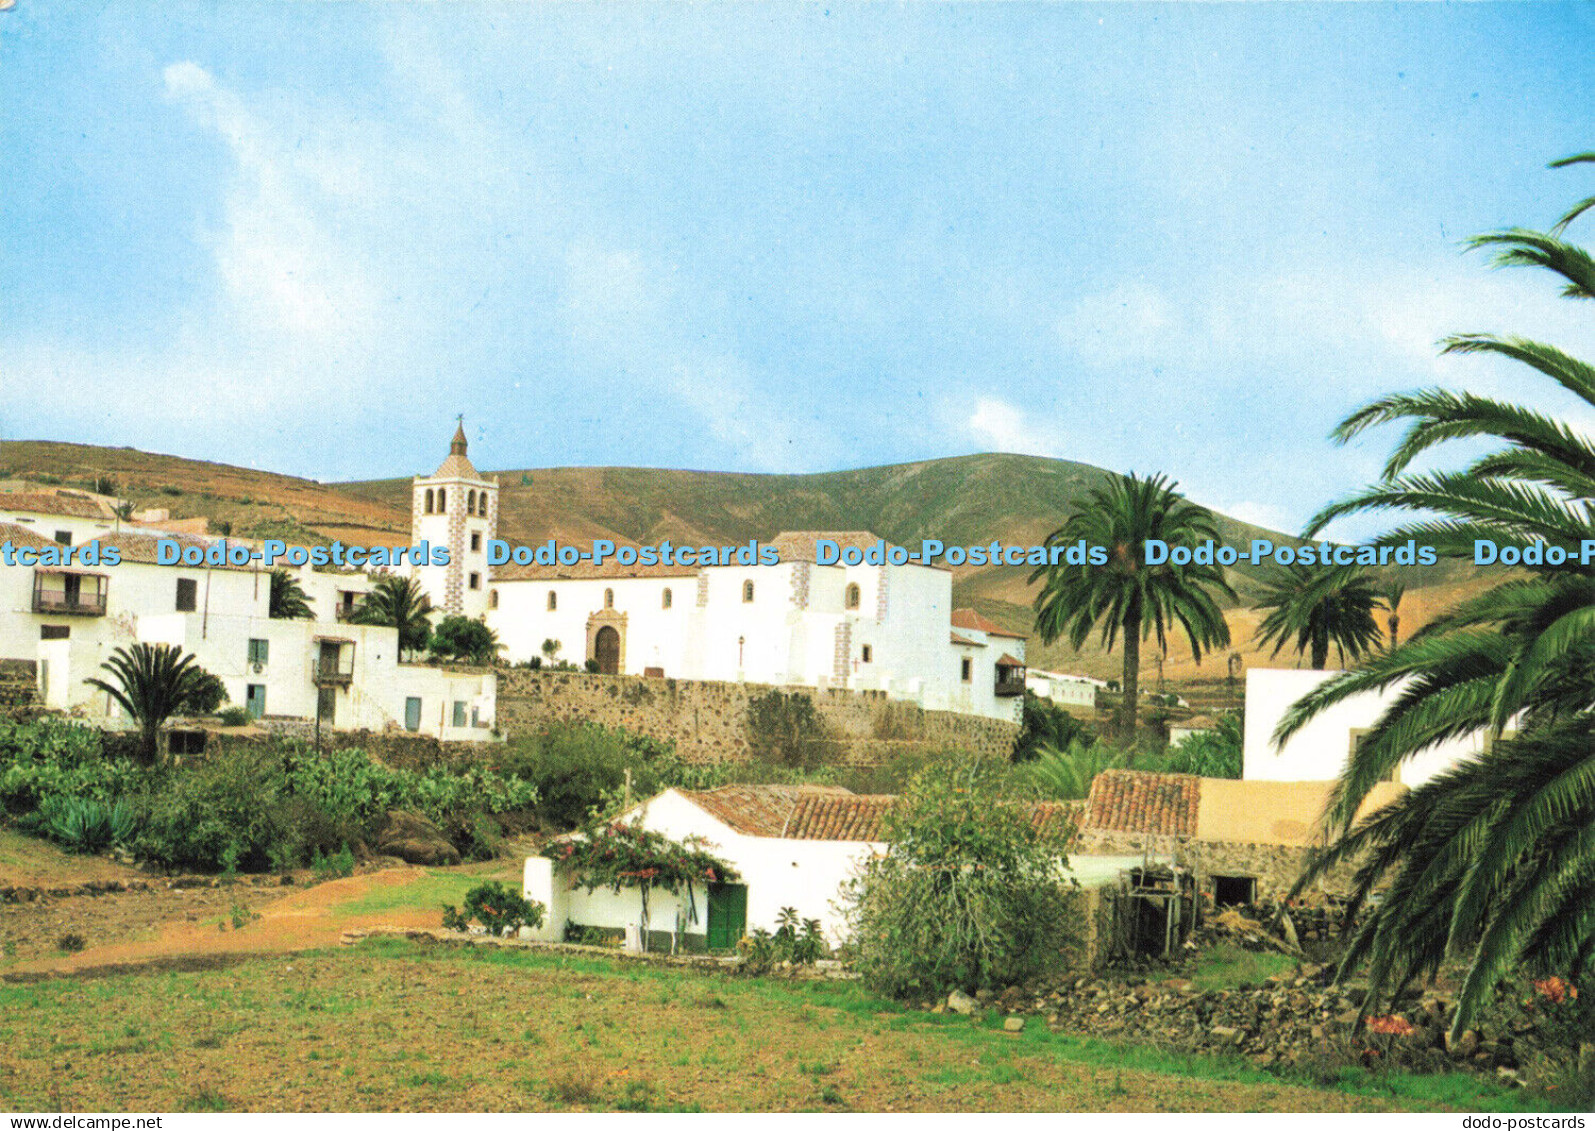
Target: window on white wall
{"x":609,"y":598}
{"x":852,"y":599}
{"x":553,"y":600}
{"x":747,"y":592}
{"x":665,"y":599}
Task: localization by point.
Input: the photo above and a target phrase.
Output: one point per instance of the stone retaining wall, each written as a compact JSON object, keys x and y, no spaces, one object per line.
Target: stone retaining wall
{"x":708,"y":720}
{"x":19,"y":687}
{"x":1275,"y":867}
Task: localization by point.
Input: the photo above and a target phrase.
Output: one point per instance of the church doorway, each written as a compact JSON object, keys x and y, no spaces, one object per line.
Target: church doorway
{"x":606,"y":650}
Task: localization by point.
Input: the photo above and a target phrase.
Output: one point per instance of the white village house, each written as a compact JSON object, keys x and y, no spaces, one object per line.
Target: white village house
{"x":792,"y":846}
{"x":68,"y":619}
{"x":1318,"y":752}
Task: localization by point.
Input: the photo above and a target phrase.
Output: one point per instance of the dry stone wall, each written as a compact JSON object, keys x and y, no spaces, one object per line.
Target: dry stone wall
{"x":708,"y":720}
{"x":18,"y":687}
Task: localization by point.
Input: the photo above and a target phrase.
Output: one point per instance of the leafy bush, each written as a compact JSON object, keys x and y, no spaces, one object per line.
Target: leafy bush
{"x":580,"y":770}
{"x":798,"y":941}
{"x":1045,"y":724}
{"x":970,"y":895}
{"x":1210,"y":753}
{"x":786,"y":730}
{"x":234,"y":717}
{"x":461,"y":638}
{"x":496,"y":907}
{"x":338,"y":866}
{"x":205,"y":696}
{"x":51,"y":758}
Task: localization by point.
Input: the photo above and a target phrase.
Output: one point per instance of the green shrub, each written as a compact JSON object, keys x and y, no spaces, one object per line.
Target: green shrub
{"x":970,"y":894}
{"x":207,"y":694}
{"x":798,"y":941}
{"x":579,"y":769}
{"x":1210,"y":753}
{"x":234,"y":717}
{"x":1045,"y":724}
{"x":51,"y":758}
{"x":338,"y":866}
{"x":496,"y":907}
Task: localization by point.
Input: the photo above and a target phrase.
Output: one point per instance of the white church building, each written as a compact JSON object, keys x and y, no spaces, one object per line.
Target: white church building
{"x":885,"y":628}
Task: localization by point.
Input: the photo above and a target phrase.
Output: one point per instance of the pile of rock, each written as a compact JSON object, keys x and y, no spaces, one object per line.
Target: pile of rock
{"x":1295,"y":1020}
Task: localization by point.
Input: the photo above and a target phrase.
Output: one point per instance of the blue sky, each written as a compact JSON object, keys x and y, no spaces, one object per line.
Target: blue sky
{"x":771,"y":238}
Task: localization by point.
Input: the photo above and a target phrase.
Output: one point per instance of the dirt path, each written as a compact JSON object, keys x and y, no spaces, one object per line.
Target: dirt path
{"x":228,"y":920}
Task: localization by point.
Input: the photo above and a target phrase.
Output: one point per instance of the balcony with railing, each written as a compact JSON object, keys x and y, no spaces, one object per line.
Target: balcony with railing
{"x":1010,"y":678}
{"x":69,"y":594}
{"x":334,"y":664}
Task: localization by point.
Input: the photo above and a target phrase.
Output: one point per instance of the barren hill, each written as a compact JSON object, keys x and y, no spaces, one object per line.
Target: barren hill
{"x":965,"y":500}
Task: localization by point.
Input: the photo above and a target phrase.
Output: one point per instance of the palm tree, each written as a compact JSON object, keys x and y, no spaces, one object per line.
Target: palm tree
{"x":1316,"y":608}
{"x":1126,"y":595}
{"x":153,"y":683}
{"x":401,"y":603}
{"x":1390,"y":599}
{"x":287,"y":600}
{"x":1496,"y":857}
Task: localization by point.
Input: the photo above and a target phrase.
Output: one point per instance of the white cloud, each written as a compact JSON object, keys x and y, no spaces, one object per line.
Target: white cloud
{"x":1001,"y":427}
{"x":284,"y":269}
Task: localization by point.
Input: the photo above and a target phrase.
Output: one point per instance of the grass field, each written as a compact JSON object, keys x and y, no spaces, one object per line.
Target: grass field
{"x":399,"y":1026}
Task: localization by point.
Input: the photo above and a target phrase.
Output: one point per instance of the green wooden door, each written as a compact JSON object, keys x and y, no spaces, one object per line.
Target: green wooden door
{"x":728,"y":915}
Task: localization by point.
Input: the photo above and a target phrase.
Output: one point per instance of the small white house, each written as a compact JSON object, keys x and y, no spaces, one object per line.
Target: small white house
{"x":792,"y":846}
{"x":1064,"y":690}
{"x":1319,"y":751}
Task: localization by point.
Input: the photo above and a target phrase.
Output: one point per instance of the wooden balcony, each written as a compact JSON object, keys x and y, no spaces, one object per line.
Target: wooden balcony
{"x":76,"y":599}
{"x":1010,"y":678}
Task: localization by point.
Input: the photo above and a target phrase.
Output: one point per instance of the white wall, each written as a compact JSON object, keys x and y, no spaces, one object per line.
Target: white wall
{"x":1318,"y":752}
{"x":805,"y":874}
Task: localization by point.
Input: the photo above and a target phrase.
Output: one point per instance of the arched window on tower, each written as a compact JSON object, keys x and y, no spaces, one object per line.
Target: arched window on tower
{"x":747,"y":592}
{"x":852,"y":596}
{"x":429,"y":503}
{"x":609,"y":598}
{"x":492,"y":598}
{"x":443,"y":501}
{"x":470,"y":502}
{"x":665,"y":599}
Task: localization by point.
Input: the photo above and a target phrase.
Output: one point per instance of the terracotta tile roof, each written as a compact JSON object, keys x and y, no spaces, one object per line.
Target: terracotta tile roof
{"x":1135,"y":801}
{"x":45,"y":502}
{"x":758,"y":810}
{"x":964,"y":640}
{"x":811,"y":812}
{"x":142,"y":548}
{"x":968,"y":618}
{"x":23,"y":536}
{"x":1006,"y":660}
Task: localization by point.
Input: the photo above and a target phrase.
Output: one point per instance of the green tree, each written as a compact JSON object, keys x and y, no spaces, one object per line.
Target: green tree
{"x":287,"y":600}
{"x":1126,"y":596}
{"x":153,"y":682}
{"x":972,"y":892}
{"x":1494,"y":858}
{"x":401,"y":603}
{"x":1316,"y":608}
{"x":465,"y":640}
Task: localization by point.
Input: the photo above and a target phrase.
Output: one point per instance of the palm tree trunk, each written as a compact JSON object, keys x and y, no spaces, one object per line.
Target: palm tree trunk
{"x":1132,"y":682}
